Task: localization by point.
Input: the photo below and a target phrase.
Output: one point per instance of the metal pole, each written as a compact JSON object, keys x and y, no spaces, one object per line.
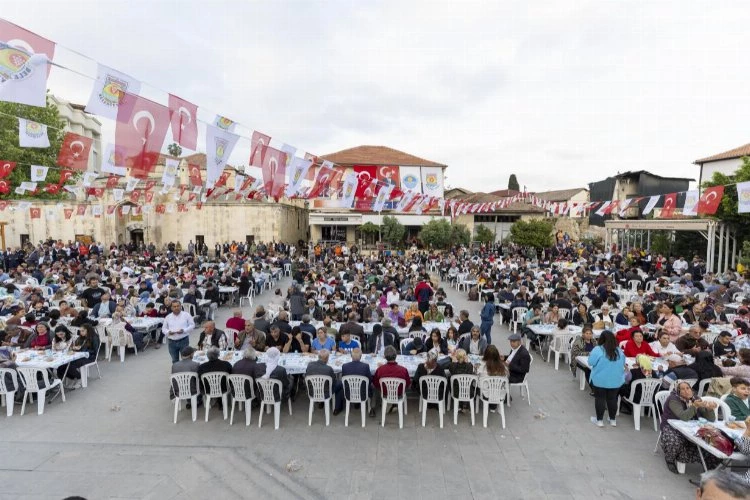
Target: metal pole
{"x":734,"y":250}
{"x":648,"y":239}
{"x":721,"y":248}
{"x":726,"y":250}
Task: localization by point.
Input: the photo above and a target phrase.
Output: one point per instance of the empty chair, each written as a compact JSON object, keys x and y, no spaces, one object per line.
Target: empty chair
{"x":432,"y":391}
{"x":648,"y":388}
{"x":185,"y":387}
{"x":287,"y":270}
{"x":356,"y":391}
{"x":393,"y":391}
{"x":270,"y":394}
{"x":319,"y":390}
{"x":493,"y":391}
{"x":214,"y":387}
{"x":40,"y":387}
{"x":517,"y":317}
{"x":463,"y":389}
{"x":660,"y":399}
{"x":248,"y":297}
{"x":560,"y":345}
{"x":634,"y":284}
{"x":243,"y":393}
{"x":8,"y":390}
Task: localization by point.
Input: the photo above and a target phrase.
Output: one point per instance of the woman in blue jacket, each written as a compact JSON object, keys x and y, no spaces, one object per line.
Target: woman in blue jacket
{"x":607,"y":362}
{"x":488,"y":318}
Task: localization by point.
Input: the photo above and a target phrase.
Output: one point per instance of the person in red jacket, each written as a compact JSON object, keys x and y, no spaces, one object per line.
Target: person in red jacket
{"x":626,"y":334}
{"x":636,"y":345}
{"x":390,"y":369}
{"x":41,"y":337}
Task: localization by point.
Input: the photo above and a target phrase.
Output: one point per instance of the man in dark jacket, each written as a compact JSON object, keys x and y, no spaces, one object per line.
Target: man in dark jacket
{"x":214,"y":364}
{"x":354,"y":367}
{"x":379,"y":340}
{"x":518,"y":360}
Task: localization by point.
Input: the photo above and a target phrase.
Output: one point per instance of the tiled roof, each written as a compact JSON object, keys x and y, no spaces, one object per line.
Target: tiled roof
{"x":377,"y":155}
{"x":559,"y":195}
{"x":505,"y":193}
{"x":727,"y":155}
{"x":515,"y":207}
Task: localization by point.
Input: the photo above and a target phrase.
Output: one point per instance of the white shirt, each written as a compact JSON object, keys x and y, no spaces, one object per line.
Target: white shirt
{"x":662,"y":351}
{"x":512,"y":354}
{"x":182,"y":321}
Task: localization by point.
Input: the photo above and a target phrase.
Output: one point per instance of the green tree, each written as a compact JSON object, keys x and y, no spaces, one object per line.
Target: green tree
{"x":25,"y":157}
{"x":369,"y":228}
{"x":727,"y":211}
{"x":484,"y":234}
{"x":460,"y":235}
{"x":513,"y":183}
{"x":745,"y":257}
{"x":175,"y":150}
{"x":536,"y":233}
{"x":436,"y":233}
{"x":661,"y":243}
{"x":392,"y":230}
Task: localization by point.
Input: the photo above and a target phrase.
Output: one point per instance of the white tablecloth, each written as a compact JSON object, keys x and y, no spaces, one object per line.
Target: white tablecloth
{"x":47,"y":359}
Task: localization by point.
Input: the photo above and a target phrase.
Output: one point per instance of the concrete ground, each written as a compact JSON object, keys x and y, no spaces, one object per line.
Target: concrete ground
{"x":116,"y":439}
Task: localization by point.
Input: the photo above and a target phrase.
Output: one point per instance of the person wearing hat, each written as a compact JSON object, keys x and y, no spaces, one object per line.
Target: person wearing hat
{"x":723,"y":345}
{"x":518,"y":360}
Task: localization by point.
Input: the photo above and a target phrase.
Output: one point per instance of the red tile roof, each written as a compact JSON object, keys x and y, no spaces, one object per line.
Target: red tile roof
{"x":378,"y":155}
{"x":727,"y":155}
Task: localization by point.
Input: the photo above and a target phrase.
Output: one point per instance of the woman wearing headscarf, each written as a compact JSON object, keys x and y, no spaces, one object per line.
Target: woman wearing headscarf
{"x":683,"y":405}
{"x":277,"y":372}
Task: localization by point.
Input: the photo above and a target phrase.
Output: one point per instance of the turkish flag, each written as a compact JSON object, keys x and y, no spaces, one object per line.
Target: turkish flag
{"x":388,"y":176}
{"x":111,"y":209}
{"x":160,"y":209}
{"x":135,"y":196}
{"x":74,"y":151}
{"x":149,"y":196}
{"x":81,"y":210}
{"x":52,"y":188}
{"x":395,"y":193}
{"x":16,"y":36}
{"x":95,"y":192}
{"x":65,"y":176}
{"x":149,"y":185}
{"x":36,"y":213}
{"x":192,"y":197}
{"x":273,"y":160}
{"x":182,"y":208}
{"x":258,"y":146}
{"x":366,"y":177}
{"x":5,"y":187}
{"x":670,"y":203}
{"x":195,"y":175}
{"x":222,"y":180}
{"x":322,"y":181}
{"x":6,"y":167}
{"x":68,"y":212}
{"x":710,"y":200}
{"x":183,"y":117}
{"x":311,"y":171}
{"x":112,"y":181}
{"x":140,"y":130}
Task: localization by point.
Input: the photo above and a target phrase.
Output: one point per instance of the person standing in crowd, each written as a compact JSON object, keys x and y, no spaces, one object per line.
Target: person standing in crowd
{"x":177,"y":327}
{"x":607,"y":362}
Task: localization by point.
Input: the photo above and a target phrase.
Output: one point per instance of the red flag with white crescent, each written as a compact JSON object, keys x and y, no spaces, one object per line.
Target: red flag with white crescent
{"x":322,"y":180}
{"x":74,"y":151}
{"x":65,"y":176}
{"x":81,"y":210}
{"x":710,"y":200}
{"x":183,"y":117}
{"x":670,"y":203}
{"x":195,"y":174}
{"x":273,"y":161}
{"x":149,"y":196}
{"x":149,"y":185}
{"x":6,"y":167}
{"x":135,"y":196}
{"x":3,"y":205}
{"x":52,"y":188}
{"x":140,"y":131}
{"x":161,"y":208}
{"x":36,"y":213}
{"x":68,"y":212}
{"x":258,"y":146}
{"x":112,"y":181}
{"x":222,"y":180}
{"x":366,"y":175}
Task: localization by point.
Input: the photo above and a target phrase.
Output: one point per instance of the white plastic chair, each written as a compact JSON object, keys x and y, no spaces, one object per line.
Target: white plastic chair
{"x":185,"y":383}
{"x":32,"y":386}
{"x":316,"y":392}
{"x":212,"y":390}
{"x":561,"y":344}
{"x":710,"y":337}
{"x":464,"y":384}
{"x":389,"y":389}
{"x":703,"y":387}
{"x":85,"y":368}
{"x":690,"y":381}
{"x":230,"y":334}
{"x":661,"y":398}
{"x":190,"y":309}
{"x":721,"y":405}
{"x":353,"y":394}
{"x":430,"y":387}
{"x":8,"y":395}
{"x":240,"y":396}
{"x":564,"y":313}
{"x":493,"y":391}
{"x":517,"y":316}
{"x":648,"y":388}
{"x":248,"y":297}
{"x":523,"y":385}
{"x":118,"y":337}
{"x":267,"y":386}
{"x":403,"y":343}
{"x":634,"y":284}
{"x":287,"y":269}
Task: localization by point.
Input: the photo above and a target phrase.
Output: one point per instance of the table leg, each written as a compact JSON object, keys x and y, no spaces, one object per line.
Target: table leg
{"x":703,"y":461}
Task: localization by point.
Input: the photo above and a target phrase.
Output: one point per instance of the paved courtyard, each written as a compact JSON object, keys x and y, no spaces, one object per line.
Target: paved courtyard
{"x":116,"y":439}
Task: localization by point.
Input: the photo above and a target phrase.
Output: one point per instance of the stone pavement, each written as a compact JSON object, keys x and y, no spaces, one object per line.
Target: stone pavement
{"x":116,"y":439}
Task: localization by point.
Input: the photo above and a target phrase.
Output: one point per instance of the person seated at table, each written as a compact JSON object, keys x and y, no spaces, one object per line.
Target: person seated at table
{"x":40,"y":338}
{"x":669,"y":321}
{"x":561,"y":327}
{"x":605,"y":317}
{"x":623,"y":317}
{"x":465,"y":324}
{"x":322,"y":341}
{"x":396,"y":317}
{"x":105,"y":308}
{"x":29,"y":320}
{"x":391,"y":369}
{"x":533,"y":317}
{"x":460,"y":365}
{"x":693,"y":313}
{"x":214,"y":364}
{"x":723,"y":345}
{"x":186,"y":364}
{"x":354,"y":367}
{"x":347,"y":343}
{"x":413,"y":347}
{"x":212,"y":336}
{"x":636,"y":345}
{"x":313,"y":310}
{"x":150,"y":311}
{"x":83,"y":319}
{"x":448,"y":313}
{"x":518,"y":360}
{"x":451,"y":338}
{"x":61,"y":339}
{"x":88,"y":342}
{"x":298,"y":341}
{"x":434,"y":314}
{"x":692,"y":342}
{"x":716,"y":314}
{"x":236,"y":322}
{"x":683,"y":405}
{"x":413,"y":312}
{"x":429,"y":367}
{"x":663,"y":346}
{"x":249,"y":365}
{"x":643,"y":369}
{"x":493,"y":364}
{"x":260,"y":322}
{"x":581,"y":316}
{"x":416,"y":325}
{"x":582,"y":346}
{"x":305,"y":325}
{"x":552,"y":316}
{"x":372,"y":313}
{"x":737,"y":400}
{"x":742,"y":369}
{"x":282,"y":321}
{"x":352,"y":327}
{"x":474,"y":343}
{"x":250,"y":337}
{"x":436,"y":341}
{"x":379,"y":340}
{"x":276,"y":372}
{"x":276,"y":338}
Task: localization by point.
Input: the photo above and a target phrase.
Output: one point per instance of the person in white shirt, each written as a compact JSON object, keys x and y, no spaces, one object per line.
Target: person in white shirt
{"x":177,"y":327}
{"x":680,"y":265}
{"x":664,"y":347}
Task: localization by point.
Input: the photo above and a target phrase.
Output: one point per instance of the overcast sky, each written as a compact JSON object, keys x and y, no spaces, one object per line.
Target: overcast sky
{"x":559,"y":92}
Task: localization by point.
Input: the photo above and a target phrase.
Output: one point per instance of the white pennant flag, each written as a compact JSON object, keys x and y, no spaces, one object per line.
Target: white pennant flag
{"x":113,"y":161}
{"x":19,"y":190}
{"x":117,"y":194}
{"x":38,"y":173}
{"x":219,"y":146}
{"x":382,"y":197}
{"x":125,"y":209}
{"x":170,"y":172}
{"x":651,"y":204}
{"x":297,"y":172}
{"x":743,"y":197}
{"x":131,"y":184}
{"x":111,"y":89}
{"x":97,"y":210}
{"x":24,"y":205}
{"x":405,"y":200}
{"x":348,"y":190}
{"x":604,"y":207}
{"x":32,"y":134}
{"x":624,"y":206}
{"x":28,"y":186}
{"x":691,"y":203}
{"x":224,"y":123}
{"x":239,"y":180}
{"x":23,"y":77}
{"x":171,"y":208}
{"x":49,"y":213}
{"x":88,"y":178}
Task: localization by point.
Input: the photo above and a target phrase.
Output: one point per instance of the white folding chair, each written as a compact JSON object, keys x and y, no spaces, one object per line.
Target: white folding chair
{"x":240,"y":396}
{"x":353,"y":394}
{"x":185,"y":387}
{"x":85,"y":368}
{"x":661,"y":398}
{"x":463,"y":388}
{"x":389,"y":389}
{"x":517,"y":316}
{"x":29,"y":377}
{"x":560,"y":345}
{"x":710,"y":337}
{"x":691,"y":382}
{"x":493,"y":391}
{"x":118,"y":337}
{"x":287,"y":270}
{"x":564,"y":313}
{"x":267,"y":387}
{"x":726,"y":412}
{"x":648,"y":388}
{"x":7,"y":393}
{"x":212,"y":390}
{"x":230,"y":333}
{"x":634,"y":284}
{"x":703,"y":386}
{"x":248,"y":297}
{"x":319,"y":390}
{"x":429,"y":393}
{"x":523,"y":385}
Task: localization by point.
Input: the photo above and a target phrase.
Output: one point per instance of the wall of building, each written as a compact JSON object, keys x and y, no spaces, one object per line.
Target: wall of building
{"x":726,"y":167}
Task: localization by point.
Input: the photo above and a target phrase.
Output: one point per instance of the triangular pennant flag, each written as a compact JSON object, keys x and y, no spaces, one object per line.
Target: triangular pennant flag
{"x":38,"y":173}
{"x":32,"y":134}
{"x":224,"y":123}
{"x":26,"y":56}
{"x":651,"y":204}
{"x":691,"y":203}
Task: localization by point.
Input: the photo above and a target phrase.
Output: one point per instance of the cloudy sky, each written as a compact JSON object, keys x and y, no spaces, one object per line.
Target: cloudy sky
{"x":561,"y":93}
